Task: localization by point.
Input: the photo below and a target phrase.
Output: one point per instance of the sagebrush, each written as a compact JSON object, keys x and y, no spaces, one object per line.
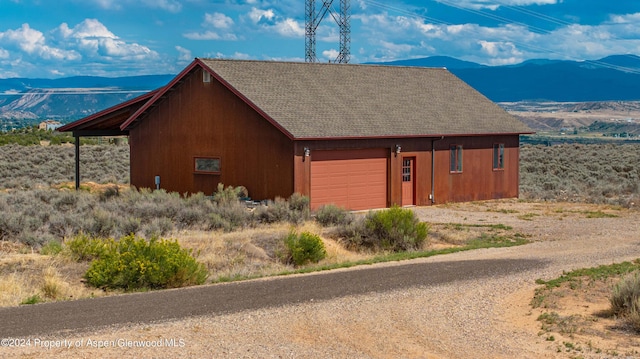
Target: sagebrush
{"x":395,"y":229}
{"x":625,"y":299}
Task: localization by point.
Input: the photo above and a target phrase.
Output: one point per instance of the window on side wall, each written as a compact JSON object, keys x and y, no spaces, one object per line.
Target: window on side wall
{"x":456,"y":158}
{"x":207,"y":165}
{"x":498,"y":156}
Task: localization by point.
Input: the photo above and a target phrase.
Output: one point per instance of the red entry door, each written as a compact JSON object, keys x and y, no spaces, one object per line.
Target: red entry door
{"x":408,"y":181}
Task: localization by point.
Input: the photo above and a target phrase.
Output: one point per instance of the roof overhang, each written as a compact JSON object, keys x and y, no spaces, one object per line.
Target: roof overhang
{"x":107,"y":122}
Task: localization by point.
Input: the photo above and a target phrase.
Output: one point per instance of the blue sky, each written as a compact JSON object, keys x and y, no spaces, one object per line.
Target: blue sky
{"x":60,"y":38}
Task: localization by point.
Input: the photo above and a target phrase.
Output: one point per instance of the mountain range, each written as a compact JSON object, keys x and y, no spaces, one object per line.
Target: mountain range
{"x":614,"y":78}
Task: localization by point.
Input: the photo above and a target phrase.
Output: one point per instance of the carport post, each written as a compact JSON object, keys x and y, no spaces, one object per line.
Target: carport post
{"x":77,"y":141}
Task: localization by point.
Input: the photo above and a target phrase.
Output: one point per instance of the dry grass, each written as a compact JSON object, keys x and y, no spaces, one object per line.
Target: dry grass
{"x":50,"y":278}
{"x":247,"y":253}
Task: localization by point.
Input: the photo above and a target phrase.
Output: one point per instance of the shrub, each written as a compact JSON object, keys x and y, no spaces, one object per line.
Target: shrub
{"x":625,"y":299}
{"x":52,"y":247}
{"x":229,"y":194}
{"x":331,"y":215}
{"x":85,"y":248}
{"x":304,"y":247}
{"x":272,"y":212}
{"x":133,"y":263}
{"x":295,"y":210}
{"x":396,"y":229}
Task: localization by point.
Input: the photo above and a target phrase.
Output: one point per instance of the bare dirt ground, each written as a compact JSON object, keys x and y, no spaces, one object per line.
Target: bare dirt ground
{"x":492,"y":318}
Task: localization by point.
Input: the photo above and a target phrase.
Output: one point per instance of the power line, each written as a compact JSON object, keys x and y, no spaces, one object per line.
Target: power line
{"x":505,"y":20}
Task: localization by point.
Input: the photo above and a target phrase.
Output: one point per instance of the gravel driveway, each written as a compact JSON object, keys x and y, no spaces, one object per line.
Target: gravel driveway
{"x":488,"y":317}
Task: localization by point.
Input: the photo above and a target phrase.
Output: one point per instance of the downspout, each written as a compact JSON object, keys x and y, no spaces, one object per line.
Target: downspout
{"x":433,"y":169}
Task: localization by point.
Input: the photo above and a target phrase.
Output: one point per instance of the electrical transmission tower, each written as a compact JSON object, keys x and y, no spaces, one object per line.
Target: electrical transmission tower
{"x":313,"y":20}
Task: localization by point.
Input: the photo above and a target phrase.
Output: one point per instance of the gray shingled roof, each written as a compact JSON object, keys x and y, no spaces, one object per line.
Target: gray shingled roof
{"x":338,"y":100}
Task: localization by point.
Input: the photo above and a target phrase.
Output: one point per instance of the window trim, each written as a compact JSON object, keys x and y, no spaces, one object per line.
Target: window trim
{"x":455,"y":158}
{"x":195,"y":165}
{"x":498,"y":157}
{"x":407,"y":176}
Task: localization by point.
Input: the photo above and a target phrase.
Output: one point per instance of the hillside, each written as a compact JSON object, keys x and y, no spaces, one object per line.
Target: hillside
{"x":27,"y":101}
{"x":611,"y":79}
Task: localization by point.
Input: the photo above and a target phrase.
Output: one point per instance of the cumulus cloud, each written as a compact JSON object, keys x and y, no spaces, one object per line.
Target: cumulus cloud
{"x":289,"y":28}
{"x":95,"y":40}
{"x":218,"y":20}
{"x":167,"y":5}
{"x":222,"y":28}
{"x":85,"y":48}
{"x":185,"y":54}
{"x":257,"y":15}
{"x":270,"y":21}
{"x":32,"y":42}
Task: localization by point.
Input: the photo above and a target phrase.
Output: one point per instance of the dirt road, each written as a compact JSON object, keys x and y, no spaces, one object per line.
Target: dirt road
{"x":466,"y":305}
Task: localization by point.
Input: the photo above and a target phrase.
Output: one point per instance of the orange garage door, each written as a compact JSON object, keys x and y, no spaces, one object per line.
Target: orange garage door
{"x":353,"y":179}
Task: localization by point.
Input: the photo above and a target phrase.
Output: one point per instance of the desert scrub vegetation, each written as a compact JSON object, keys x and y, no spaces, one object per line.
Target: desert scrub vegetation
{"x":395,"y":229}
{"x":132,"y":263}
{"x":603,"y":174}
{"x":32,"y":135}
{"x":303,"y":248}
{"x":40,"y":216}
{"x":625,"y":300}
{"x":615,"y":287}
{"x":30,"y":167}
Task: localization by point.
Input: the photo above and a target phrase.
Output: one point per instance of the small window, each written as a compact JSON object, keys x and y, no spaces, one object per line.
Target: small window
{"x":206,"y":76}
{"x":498,"y":156}
{"x":406,"y":170}
{"x":456,"y":159}
{"x":207,"y":165}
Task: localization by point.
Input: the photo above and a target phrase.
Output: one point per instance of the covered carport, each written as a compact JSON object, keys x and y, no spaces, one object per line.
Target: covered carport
{"x":105,"y":123}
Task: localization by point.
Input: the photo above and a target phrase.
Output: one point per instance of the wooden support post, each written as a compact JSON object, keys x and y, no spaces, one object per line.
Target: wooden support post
{"x":77,"y":140}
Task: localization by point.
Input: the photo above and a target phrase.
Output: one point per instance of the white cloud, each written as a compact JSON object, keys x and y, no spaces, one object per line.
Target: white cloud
{"x":331,"y":54}
{"x":185,"y":54}
{"x":93,"y":39}
{"x":495,"y":4}
{"x":289,"y":28}
{"x":33,"y":42}
{"x":207,"y":35}
{"x":256,"y":15}
{"x":4,"y":54}
{"x":168,"y":5}
{"x":218,"y":20}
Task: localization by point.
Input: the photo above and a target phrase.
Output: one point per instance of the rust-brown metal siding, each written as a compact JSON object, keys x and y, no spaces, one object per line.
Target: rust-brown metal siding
{"x":478,"y":180}
{"x":198,"y":119}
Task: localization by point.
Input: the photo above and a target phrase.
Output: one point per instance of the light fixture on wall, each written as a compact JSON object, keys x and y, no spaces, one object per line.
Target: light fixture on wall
{"x":307,"y":153}
{"x":398,"y":150}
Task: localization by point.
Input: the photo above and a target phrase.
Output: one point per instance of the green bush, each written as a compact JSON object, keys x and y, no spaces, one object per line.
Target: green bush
{"x":396,"y":229}
{"x":332,"y":215}
{"x":625,"y":299}
{"x":304,"y":247}
{"x":133,"y":263}
{"x":85,"y":248}
{"x":52,"y":247}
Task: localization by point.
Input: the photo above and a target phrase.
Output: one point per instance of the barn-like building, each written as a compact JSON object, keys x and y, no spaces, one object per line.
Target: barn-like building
{"x":358,"y":136}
